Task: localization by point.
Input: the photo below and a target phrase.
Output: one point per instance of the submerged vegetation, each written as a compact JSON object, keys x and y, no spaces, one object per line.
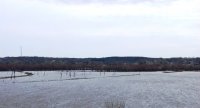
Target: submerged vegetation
{"x":99,"y":64}
{"x":115,"y":104}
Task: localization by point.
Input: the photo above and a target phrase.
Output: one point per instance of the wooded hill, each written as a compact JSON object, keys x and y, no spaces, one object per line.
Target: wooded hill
{"x":99,"y":64}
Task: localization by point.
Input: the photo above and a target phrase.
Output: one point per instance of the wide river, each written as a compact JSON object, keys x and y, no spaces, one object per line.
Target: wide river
{"x":76,"y":89}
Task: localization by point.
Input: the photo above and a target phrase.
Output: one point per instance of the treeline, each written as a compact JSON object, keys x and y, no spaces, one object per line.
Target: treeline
{"x":99,"y":64}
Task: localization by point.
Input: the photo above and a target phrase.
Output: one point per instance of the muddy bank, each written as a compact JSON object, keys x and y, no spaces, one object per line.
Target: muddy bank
{"x":24,"y":74}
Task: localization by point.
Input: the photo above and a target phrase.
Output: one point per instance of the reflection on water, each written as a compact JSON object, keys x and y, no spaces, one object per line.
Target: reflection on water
{"x":60,"y":75}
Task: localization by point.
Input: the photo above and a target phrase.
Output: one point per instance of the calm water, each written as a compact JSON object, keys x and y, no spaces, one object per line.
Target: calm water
{"x":47,"y":76}
{"x":9,"y":74}
{"x":62,"y":89}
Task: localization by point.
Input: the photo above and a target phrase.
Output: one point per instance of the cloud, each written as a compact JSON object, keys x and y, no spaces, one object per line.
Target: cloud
{"x":38,"y":18}
{"x":108,"y":1}
{"x":179,"y":9}
{"x":100,"y":28}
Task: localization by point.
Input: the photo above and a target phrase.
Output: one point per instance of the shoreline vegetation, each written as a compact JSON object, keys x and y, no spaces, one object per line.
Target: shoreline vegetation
{"x":108,"y":64}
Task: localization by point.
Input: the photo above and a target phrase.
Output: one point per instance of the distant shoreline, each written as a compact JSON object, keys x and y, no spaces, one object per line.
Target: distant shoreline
{"x":29,"y":71}
{"x":108,"y":64}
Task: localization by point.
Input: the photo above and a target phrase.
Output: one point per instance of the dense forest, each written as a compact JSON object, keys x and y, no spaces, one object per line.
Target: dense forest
{"x":99,"y":64}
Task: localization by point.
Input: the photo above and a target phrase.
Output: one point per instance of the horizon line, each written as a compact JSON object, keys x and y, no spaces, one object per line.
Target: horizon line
{"x":97,"y":57}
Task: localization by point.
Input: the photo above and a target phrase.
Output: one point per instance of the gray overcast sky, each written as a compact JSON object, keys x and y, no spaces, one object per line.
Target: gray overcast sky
{"x":99,"y":28}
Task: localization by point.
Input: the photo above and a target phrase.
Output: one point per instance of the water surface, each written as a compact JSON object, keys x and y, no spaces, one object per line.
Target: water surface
{"x":59,"y":89}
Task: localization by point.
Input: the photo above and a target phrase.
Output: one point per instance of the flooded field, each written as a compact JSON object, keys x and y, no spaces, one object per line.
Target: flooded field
{"x":75,"y":89}
{"x":48,"y":76}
